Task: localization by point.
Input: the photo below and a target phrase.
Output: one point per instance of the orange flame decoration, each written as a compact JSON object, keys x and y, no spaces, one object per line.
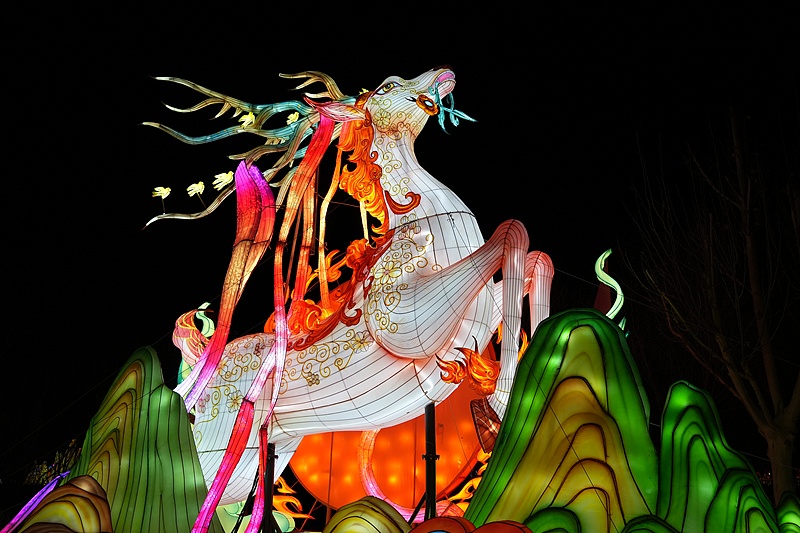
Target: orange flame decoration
{"x":452,"y":371}
{"x":285,"y":502}
{"x":482,"y":370}
{"x":461,"y":497}
{"x":363,"y":182}
{"x":310,"y":320}
{"x":523,"y":344}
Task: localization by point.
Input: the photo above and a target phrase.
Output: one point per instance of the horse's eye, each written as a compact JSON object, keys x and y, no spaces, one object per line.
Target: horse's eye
{"x":386,"y":88}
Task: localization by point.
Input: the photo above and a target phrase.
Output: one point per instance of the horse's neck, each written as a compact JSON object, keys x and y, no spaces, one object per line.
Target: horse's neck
{"x":403,"y":177}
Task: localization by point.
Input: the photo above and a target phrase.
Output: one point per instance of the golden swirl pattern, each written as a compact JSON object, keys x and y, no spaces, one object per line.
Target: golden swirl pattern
{"x":398,"y":196}
{"x":396,"y":124}
{"x":405,"y":124}
{"x":381,"y":118}
{"x":226,"y":398}
{"x":388,"y":161}
{"x":405,"y":256}
{"x":400,"y":188}
{"x":240,"y":359}
{"x":318,"y":361}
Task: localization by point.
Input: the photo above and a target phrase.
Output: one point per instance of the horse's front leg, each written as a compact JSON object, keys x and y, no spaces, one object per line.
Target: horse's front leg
{"x":538,"y":280}
{"x":425,"y":315}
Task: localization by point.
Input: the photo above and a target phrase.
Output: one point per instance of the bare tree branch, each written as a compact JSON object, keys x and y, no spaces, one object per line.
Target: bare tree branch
{"x":720,"y":269}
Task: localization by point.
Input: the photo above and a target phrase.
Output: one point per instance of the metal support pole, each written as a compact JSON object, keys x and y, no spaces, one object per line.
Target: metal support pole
{"x":430,"y":461}
{"x":268,"y":522}
{"x":416,"y":510}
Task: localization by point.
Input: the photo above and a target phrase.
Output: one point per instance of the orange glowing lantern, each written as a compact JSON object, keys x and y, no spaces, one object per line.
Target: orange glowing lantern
{"x":328,"y":468}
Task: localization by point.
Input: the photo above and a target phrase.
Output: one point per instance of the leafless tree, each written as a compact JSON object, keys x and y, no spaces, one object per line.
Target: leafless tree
{"x":720,"y":264}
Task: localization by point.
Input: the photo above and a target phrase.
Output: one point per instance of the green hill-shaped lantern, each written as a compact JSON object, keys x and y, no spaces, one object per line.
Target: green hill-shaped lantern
{"x":574,"y":453}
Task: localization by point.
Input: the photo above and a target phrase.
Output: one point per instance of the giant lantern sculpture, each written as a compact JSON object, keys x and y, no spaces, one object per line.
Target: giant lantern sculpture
{"x":367,"y":354}
{"x":395,"y":324}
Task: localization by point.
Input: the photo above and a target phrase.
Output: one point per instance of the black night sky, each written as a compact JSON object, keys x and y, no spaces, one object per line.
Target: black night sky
{"x":564,"y":99}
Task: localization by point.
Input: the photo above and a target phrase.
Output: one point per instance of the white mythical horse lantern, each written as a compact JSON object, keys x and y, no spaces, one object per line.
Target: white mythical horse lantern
{"x":367,"y":353}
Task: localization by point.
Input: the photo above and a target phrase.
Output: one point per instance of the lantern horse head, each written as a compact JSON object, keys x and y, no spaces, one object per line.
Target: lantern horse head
{"x":366,"y":354}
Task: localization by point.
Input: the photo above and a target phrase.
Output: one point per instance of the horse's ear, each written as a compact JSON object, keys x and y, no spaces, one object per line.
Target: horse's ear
{"x":338,"y":111}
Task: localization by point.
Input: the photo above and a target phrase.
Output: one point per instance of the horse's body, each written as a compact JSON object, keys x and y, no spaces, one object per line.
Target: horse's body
{"x":427,"y":291}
